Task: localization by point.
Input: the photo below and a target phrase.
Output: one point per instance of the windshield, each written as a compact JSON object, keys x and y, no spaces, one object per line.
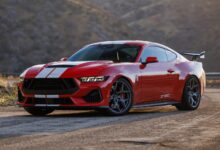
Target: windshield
{"x":112,"y":52}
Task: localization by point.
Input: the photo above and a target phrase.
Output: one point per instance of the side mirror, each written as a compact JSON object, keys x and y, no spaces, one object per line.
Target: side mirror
{"x":63,"y":59}
{"x":150,"y":60}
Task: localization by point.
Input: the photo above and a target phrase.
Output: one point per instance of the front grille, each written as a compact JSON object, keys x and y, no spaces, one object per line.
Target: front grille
{"x":62,"y":101}
{"x":49,"y":86}
{"x":93,"y":97}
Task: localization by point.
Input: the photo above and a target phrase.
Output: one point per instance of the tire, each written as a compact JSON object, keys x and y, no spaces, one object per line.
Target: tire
{"x":38,"y":111}
{"x":121,"y":98}
{"x":191,"y":95}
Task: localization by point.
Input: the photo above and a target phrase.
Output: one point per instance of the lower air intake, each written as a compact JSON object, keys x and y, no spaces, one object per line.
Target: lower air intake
{"x":93,"y":97}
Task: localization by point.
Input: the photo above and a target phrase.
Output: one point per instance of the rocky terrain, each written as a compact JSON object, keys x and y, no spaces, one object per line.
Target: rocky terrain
{"x":39,"y":31}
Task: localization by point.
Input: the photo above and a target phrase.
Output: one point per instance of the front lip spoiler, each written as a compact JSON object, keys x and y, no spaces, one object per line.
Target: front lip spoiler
{"x":58,"y":107}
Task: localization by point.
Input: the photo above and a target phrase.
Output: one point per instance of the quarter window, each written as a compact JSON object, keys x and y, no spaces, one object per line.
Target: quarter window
{"x":170,"y":55}
{"x":158,"y":52}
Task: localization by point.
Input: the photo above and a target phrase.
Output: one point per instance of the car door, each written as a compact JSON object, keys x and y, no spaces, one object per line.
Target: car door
{"x":155,"y":78}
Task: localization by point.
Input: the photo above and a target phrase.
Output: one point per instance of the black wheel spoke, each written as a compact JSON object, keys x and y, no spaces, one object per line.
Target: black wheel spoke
{"x":114,"y":89}
{"x":123,"y":103}
{"x":192,"y":100}
{"x":121,"y":92}
{"x":192,"y":88}
{"x":120,"y":96}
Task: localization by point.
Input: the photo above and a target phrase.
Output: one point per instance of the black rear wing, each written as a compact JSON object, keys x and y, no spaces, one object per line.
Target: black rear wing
{"x":196,"y":56}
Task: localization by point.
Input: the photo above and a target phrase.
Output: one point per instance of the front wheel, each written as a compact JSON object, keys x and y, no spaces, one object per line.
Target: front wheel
{"x":191,"y":95}
{"x":121,"y":98}
{"x":38,"y":111}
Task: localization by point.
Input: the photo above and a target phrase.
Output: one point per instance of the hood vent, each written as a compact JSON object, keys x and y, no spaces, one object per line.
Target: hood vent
{"x":61,"y":66}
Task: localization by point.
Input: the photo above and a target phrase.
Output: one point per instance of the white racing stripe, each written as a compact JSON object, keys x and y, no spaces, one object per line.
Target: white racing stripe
{"x":68,"y":63}
{"x":51,"y":72}
{"x":57,"y":73}
{"x":44,"y":73}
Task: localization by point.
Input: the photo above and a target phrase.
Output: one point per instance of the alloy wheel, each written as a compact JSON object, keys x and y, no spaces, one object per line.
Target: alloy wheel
{"x":193,"y":92}
{"x":120,"y":97}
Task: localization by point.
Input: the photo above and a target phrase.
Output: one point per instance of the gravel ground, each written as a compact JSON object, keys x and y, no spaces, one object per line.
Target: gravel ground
{"x":149,"y":128}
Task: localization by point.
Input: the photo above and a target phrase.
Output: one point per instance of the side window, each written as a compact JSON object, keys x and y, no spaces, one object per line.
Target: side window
{"x":170,"y":55}
{"x":158,"y":52}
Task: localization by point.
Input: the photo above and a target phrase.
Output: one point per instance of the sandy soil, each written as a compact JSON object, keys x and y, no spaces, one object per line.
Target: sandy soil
{"x":149,"y":128}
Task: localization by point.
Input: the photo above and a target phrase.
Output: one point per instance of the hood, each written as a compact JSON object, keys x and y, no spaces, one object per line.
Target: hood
{"x":70,"y":64}
{"x":66,"y":69}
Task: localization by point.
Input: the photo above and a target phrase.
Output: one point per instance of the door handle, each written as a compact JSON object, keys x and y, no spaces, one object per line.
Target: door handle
{"x":170,"y":71}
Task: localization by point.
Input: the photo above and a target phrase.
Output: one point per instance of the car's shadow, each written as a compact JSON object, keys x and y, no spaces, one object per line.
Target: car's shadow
{"x":134,"y":112}
{"x":65,"y":121}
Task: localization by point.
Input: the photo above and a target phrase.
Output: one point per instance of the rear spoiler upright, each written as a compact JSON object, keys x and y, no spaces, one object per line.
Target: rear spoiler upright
{"x":196,"y":56}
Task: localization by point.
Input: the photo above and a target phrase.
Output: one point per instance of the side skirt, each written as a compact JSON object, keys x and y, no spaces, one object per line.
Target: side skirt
{"x":152,"y":104}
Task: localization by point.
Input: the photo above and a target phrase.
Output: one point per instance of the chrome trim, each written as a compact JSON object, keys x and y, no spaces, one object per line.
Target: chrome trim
{"x":46,"y":105}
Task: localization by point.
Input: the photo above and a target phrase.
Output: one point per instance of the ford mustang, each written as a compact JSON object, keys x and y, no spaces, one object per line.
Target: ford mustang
{"x":113,"y":77}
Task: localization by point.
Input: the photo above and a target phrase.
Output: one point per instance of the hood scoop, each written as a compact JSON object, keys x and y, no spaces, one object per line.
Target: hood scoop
{"x":60,"y":66}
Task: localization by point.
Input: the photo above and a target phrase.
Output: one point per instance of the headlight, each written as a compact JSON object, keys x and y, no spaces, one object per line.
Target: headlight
{"x":94,"y":79}
{"x":21,"y":79}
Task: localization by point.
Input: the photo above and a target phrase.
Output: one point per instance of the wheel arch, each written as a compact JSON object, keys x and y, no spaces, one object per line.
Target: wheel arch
{"x":126,"y":78}
{"x":188,"y":77}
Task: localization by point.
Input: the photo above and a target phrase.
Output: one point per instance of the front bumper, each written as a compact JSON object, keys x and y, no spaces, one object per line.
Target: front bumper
{"x":87,"y":96}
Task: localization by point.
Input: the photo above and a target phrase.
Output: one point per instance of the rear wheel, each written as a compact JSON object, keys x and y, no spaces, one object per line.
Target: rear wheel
{"x":38,"y":111}
{"x":191,"y":95}
{"x":121,"y":98}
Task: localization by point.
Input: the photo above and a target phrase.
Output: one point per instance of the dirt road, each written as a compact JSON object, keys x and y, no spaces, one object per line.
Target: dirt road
{"x":149,"y":128}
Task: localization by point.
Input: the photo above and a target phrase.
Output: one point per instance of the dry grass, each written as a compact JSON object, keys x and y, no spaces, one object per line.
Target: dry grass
{"x":211,"y":82}
{"x":8,"y":92}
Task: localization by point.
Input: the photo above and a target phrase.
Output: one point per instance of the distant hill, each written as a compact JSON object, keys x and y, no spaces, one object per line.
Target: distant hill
{"x":185,"y":25}
{"x":39,"y":31}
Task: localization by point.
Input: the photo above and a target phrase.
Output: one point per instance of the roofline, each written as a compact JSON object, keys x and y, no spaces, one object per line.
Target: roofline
{"x":122,"y":42}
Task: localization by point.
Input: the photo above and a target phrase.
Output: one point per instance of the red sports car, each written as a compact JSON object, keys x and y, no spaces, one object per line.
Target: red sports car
{"x":113,"y":77}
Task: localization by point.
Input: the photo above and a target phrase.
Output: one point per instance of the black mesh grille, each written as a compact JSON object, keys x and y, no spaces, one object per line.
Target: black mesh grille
{"x":93,"y":97}
{"x":49,"y":86}
{"x":62,"y":101}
